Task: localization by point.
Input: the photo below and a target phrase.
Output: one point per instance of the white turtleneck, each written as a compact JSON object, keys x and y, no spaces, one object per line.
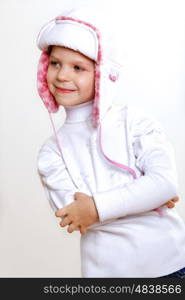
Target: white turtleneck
{"x":134,"y":243}
{"x":79,"y":112}
{"x":82,"y":137}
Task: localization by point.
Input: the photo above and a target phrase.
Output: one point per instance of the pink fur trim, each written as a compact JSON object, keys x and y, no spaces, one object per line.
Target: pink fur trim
{"x":42,"y":85}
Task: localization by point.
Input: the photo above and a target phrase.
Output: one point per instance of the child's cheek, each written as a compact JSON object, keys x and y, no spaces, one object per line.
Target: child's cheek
{"x":47,"y":76}
{"x":48,"y":79}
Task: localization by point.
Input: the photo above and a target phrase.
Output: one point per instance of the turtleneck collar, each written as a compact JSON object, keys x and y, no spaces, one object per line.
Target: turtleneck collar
{"x":79,"y":112}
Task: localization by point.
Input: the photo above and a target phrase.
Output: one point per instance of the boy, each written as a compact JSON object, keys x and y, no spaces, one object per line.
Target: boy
{"x":119,"y":208}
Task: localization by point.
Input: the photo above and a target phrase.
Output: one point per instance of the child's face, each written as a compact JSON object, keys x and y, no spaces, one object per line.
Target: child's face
{"x":70,"y":76}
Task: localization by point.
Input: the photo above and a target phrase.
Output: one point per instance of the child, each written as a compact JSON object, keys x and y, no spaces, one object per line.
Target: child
{"x":109,"y":170}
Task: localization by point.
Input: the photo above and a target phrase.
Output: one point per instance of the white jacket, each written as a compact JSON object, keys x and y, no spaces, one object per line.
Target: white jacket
{"x":131,"y":239}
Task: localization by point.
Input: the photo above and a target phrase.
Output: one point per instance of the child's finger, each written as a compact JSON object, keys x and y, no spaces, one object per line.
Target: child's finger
{"x":71,"y":228}
{"x":82,"y":230}
{"x":61,"y":212}
{"x":79,"y":195}
{"x":65,"y":221}
{"x":170,"y":204}
{"x":175,"y":199}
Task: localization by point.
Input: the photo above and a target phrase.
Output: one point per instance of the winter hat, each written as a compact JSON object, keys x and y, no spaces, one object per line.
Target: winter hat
{"x":66,"y":32}
{"x":79,"y":30}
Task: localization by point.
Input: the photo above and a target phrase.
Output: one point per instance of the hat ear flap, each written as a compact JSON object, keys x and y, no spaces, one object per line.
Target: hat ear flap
{"x":42,"y":86}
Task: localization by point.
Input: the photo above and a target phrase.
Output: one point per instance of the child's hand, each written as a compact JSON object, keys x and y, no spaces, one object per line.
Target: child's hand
{"x":80,"y":214}
{"x":171,"y":203}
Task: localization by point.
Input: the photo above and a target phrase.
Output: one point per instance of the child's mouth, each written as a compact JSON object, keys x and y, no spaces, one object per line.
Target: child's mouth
{"x":64,"y":91}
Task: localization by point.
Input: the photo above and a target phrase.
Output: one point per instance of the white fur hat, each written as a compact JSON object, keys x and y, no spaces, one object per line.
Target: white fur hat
{"x":83,"y":31}
{"x":67,"y":33}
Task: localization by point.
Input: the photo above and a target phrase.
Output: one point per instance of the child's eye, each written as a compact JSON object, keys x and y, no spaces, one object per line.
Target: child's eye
{"x":54,"y":63}
{"x":78,"y":68}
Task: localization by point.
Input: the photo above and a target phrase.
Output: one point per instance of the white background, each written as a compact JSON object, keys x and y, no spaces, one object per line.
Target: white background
{"x":153,"y":35}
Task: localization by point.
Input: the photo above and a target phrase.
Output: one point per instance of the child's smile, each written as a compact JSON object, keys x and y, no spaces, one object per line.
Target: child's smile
{"x":64,"y":91}
{"x":70,"y":76}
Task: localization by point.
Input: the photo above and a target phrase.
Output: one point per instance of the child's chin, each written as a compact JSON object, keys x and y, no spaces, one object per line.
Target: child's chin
{"x":68,"y":103}
{"x":71,"y":102}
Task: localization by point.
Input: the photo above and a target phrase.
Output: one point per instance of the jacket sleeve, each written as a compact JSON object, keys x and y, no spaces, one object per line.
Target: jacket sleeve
{"x":154,"y":157}
{"x":55,"y":178}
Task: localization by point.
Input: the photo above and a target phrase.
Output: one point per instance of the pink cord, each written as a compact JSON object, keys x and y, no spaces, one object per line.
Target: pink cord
{"x":131,"y":171}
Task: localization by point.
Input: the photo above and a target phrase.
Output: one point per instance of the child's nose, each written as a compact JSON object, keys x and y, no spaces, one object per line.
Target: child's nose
{"x":63,"y":74}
